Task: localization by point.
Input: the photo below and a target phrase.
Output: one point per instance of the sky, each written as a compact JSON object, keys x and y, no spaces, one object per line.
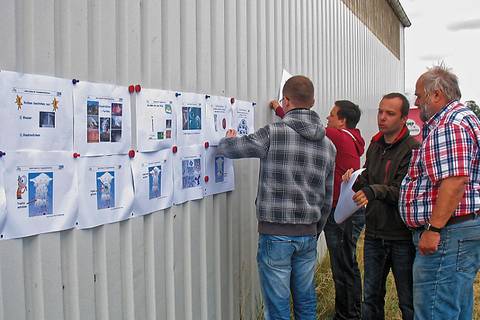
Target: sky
{"x":448,"y":31}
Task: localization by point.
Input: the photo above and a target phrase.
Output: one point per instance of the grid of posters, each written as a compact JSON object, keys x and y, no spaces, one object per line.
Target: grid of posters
{"x":219,"y":171}
{"x":190,"y":119}
{"x":155,"y":119}
{"x":219,"y":118}
{"x":105,"y":190}
{"x":41,"y":193}
{"x":243,"y":117}
{"x":36,"y":112}
{"x":102,"y":119}
{"x":153,"y":179}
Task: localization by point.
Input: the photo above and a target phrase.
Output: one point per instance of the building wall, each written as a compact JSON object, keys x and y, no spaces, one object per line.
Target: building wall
{"x":196,"y":260}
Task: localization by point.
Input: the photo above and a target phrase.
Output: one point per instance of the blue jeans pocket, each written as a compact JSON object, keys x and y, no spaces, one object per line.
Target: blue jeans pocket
{"x":279,"y":252}
{"x":467,"y":261}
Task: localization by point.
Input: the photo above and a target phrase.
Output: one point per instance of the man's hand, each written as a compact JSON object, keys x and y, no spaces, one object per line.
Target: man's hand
{"x":274,"y":104}
{"x":231,"y":133}
{"x":360,"y":198}
{"x":428,"y":243}
{"x":347,"y":175}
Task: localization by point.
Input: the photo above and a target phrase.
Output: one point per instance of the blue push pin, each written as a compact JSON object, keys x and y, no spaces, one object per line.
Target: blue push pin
{"x":75,"y":81}
{"x":254,"y":104}
{"x":177,"y":94}
{"x":207,"y":96}
{"x":2,"y":154}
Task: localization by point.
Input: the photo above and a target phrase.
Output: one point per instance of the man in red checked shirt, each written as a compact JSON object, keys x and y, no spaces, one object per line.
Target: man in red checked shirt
{"x":440,"y":200}
{"x":342,"y":238}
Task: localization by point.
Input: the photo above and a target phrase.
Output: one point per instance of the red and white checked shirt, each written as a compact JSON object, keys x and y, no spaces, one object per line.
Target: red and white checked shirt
{"x":450,"y":148}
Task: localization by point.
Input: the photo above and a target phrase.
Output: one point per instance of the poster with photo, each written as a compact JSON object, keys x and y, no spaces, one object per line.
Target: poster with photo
{"x":188,"y":173}
{"x":153,"y":181}
{"x":190,"y":119}
{"x":155,"y":119}
{"x":102,"y":119}
{"x":219,"y":118}
{"x":41,"y":193}
{"x":105,"y":190}
{"x":243,"y":117}
{"x":37,"y":112}
{"x":219,"y":171}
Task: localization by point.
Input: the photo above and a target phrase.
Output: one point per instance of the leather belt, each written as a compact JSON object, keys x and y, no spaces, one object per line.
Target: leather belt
{"x":458,"y":219}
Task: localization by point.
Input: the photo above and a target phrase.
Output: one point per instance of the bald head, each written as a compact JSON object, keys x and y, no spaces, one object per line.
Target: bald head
{"x":299,"y":90}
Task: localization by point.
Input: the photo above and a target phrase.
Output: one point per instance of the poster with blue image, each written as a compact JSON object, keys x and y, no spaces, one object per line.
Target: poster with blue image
{"x":105,"y":189}
{"x":154,"y":182}
{"x":40,"y":193}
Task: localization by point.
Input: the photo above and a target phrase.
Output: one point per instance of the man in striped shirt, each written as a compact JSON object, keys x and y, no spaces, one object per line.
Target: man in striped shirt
{"x":440,"y":199}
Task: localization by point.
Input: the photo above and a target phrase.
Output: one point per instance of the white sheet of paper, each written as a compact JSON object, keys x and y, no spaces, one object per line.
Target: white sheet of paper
{"x":37,"y":112}
{"x":155,"y":119}
{"x":219,"y":171}
{"x":219,"y":116}
{"x":285,"y":76}
{"x":243,"y":117}
{"x":190,"y":119}
{"x":153,"y":179}
{"x":188,"y":173}
{"x":345,"y":205}
{"x":105,"y":190}
{"x":102,"y":119}
{"x":41,"y":191}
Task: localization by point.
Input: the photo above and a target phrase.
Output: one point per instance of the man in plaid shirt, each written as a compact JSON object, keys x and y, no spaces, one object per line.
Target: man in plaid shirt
{"x":295,"y":191}
{"x":440,"y":199}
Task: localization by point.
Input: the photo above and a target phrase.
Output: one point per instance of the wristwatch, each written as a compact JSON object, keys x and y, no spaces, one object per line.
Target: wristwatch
{"x":429,"y":227}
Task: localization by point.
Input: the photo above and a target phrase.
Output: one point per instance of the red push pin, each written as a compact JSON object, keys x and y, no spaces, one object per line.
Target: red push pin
{"x":76,"y":155}
{"x":232,"y":100}
{"x":206,"y":144}
{"x":205,"y":178}
{"x":131,"y":153}
{"x":138,"y":88}
{"x":131,"y":88}
{"x":174,"y":149}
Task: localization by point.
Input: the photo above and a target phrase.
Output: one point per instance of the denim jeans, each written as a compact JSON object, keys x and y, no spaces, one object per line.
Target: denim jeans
{"x":342,"y":245}
{"x":443,"y":281}
{"x":286,"y":265}
{"x":379,"y":257}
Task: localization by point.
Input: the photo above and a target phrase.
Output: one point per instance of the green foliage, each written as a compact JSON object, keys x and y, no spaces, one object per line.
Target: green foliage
{"x":474,"y":106}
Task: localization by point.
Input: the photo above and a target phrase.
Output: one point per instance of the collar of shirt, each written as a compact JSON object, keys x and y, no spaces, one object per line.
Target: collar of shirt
{"x":434,"y":121}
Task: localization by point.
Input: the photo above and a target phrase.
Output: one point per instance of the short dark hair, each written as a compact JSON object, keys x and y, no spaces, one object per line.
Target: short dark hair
{"x":405,"y":103}
{"x":349,"y":111}
{"x":300,"y":90}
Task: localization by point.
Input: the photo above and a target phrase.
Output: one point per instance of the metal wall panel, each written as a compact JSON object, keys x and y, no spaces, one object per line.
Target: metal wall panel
{"x":196,"y":260}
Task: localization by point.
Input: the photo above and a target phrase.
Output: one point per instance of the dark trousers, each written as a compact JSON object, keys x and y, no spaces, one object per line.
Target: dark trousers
{"x":342,"y":244}
{"x":379,"y":257}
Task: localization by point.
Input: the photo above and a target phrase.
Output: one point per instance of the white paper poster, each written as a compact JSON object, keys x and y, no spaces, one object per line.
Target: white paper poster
{"x":155,"y":119}
{"x":219,"y":171}
{"x":189,"y":173}
{"x":219,"y":118}
{"x":346,"y":206}
{"x":153,"y":178}
{"x":243,"y":117}
{"x":105,"y":190}
{"x":37,"y":112}
{"x":102,"y":119}
{"x":190,"y":119}
{"x":285,"y":76}
{"x":41,"y":192}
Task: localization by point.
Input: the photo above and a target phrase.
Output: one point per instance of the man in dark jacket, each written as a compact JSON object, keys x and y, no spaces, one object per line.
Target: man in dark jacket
{"x":295,"y":191}
{"x":388,"y":242}
{"x":342,"y":238}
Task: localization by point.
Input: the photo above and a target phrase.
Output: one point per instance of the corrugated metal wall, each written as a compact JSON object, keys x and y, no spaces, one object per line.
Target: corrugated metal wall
{"x":197,"y":260}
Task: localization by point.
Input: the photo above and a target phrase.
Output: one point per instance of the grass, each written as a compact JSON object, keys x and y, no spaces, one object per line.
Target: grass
{"x":326,"y":291}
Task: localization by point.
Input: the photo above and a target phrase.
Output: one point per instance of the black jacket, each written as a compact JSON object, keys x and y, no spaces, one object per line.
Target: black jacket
{"x":386,"y":165}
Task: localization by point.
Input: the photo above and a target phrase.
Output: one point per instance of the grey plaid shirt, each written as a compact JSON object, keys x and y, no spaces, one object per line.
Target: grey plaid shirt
{"x":297,"y":164}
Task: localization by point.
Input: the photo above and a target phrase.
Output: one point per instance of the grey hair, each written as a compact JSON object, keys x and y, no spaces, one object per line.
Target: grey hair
{"x":441,"y":78}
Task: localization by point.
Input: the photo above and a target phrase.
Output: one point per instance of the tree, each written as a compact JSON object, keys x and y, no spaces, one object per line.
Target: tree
{"x":474,"y":107}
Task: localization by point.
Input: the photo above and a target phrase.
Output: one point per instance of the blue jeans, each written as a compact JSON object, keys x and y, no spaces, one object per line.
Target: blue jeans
{"x":286,"y":265}
{"x":342,"y":245}
{"x":379,"y":257}
{"x":443,"y":281}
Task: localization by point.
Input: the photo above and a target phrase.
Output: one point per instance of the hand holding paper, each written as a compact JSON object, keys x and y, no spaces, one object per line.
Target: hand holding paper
{"x":346,"y":205}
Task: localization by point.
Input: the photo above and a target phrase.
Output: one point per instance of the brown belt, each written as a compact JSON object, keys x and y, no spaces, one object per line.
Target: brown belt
{"x":467,"y":217}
